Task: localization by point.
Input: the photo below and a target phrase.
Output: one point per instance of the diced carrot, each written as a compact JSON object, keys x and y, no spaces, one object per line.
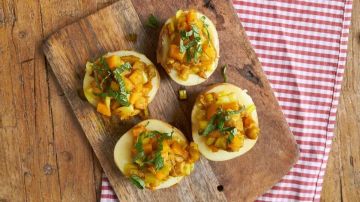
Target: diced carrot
{"x":137,"y":77}
{"x":114,"y":86}
{"x":211,"y":110}
{"x":230,"y":105}
{"x":213,"y":148}
{"x":113,"y":61}
{"x":174,"y":52}
{"x":160,"y":175}
{"x":138,"y":65}
{"x":252,"y":132}
{"x":137,"y":130}
{"x":247,"y":120}
{"x":128,"y":84}
{"x":134,"y":97}
{"x":215,"y":134}
{"x":210,"y":51}
{"x":103,"y":109}
{"x":191,"y":16}
{"x":138,"y":88}
{"x":141,"y":103}
{"x":236,"y":143}
{"x":176,"y":147}
{"x":147,"y":148}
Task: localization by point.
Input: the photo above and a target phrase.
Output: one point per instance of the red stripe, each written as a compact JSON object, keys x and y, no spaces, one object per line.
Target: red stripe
{"x":292,"y":189}
{"x":281,"y":33}
{"x":299,"y":182}
{"x":305,"y":110}
{"x":308,"y":126}
{"x":304,"y":175}
{"x":298,"y":101}
{"x":307,"y":118}
{"x":309,"y":159}
{"x":314,"y":135}
{"x":312,"y":151}
{"x":108,"y":196}
{"x":322,"y":5}
{"x":307,"y":167}
{"x":310,"y":78}
{"x":301,"y":93}
{"x":303,"y":69}
{"x":106,"y":187}
{"x":287,"y":58}
{"x":300,"y":52}
{"x":293,"y":10}
{"x":315,"y":87}
{"x":287,"y":196}
{"x":290,"y":42}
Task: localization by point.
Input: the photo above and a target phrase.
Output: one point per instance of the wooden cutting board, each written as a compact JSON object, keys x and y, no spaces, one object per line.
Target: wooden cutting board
{"x":241,"y":179}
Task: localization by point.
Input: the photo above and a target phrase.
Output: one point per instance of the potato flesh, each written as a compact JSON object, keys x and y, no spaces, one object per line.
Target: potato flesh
{"x":137,"y":81}
{"x":209,"y":103}
{"x":179,"y":61}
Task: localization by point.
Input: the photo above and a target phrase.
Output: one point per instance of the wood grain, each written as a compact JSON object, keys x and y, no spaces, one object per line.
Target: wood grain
{"x":42,"y":145}
{"x":342,"y":178}
{"x":68,"y":50}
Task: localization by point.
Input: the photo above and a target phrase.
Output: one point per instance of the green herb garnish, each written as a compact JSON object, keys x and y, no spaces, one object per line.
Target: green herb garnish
{"x":232,"y":131}
{"x":152,"y":21}
{"x":192,"y":48}
{"x":137,"y":181}
{"x":117,"y":95}
{"x":158,"y":160}
{"x":203,"y":18}
{"x":122,"y":95}
{"x":217,"y":122}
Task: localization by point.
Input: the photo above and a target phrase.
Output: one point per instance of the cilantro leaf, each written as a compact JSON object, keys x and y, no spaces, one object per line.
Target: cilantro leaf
{"x":152,"y":21}
{"x":182,"y":47}
{"x":232,"y":132}
{"x":121,"y":95}
{"x":210,"y":126}
{"x":158,"y":160}
{"x":192,"y":47}
{"x":203,"y":18}
{"x":137,"y":181}
{"x":104,"y":64}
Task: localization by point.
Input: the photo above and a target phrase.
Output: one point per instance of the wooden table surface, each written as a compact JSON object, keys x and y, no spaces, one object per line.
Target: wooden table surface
{"x":42,"y":145}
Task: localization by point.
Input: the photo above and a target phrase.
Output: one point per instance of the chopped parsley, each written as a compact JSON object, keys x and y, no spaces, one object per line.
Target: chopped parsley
{"x":217,"y":122}
{"x":152,"y":21}
{"x":193,"y":47}
{"x":137,"y":181}
{"x":157,"y":160}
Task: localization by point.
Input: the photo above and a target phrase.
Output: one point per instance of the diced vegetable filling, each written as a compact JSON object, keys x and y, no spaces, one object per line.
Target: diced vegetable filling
{"x":191,"y":49}
{"x":224,"y":122}
{"x":156,"y":156}
{"x":121,"y":85}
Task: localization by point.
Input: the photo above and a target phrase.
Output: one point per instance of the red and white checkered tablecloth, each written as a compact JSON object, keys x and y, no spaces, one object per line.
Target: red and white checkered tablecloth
{"x":302,"y":46}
